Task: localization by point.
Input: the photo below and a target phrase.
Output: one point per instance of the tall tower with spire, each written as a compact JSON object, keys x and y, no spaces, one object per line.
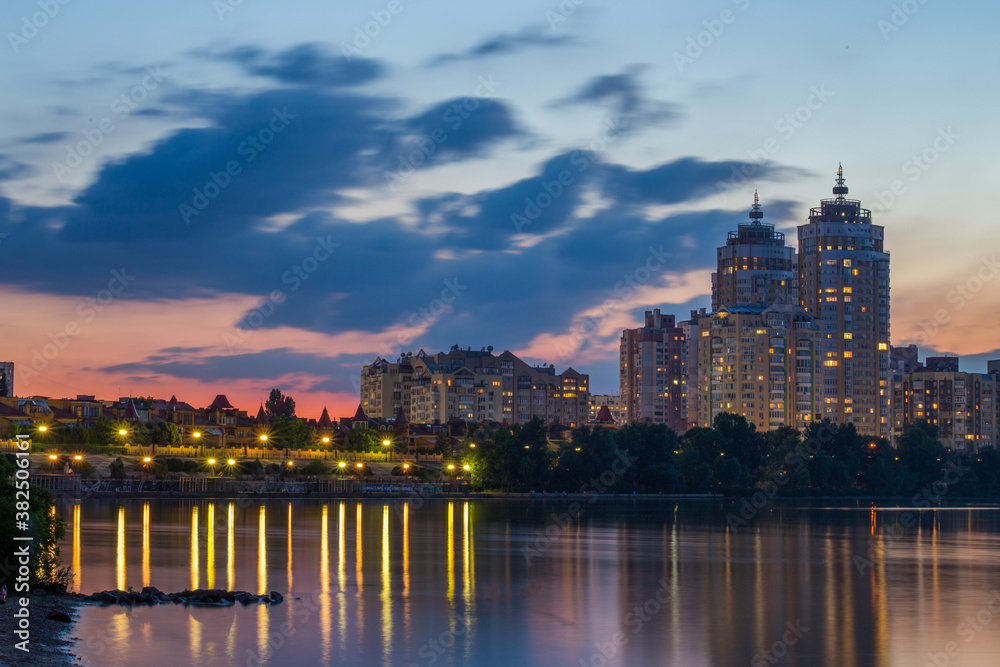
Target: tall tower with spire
{"x":844,"y":281}
{"x":755,"y":267}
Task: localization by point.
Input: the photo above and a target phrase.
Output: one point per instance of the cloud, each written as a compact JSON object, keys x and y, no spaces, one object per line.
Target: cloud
{"x":505,"y":44}
{"x":468,"y":126}
{"x":625,"y":95}
{"x":45,"y":138}
{"x":303,"y":65}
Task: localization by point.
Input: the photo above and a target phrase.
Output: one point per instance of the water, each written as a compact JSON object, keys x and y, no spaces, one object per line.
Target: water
{"x":477,"y":583}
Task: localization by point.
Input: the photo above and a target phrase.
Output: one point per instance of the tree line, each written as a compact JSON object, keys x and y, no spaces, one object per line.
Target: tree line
{"x":731,"y":457}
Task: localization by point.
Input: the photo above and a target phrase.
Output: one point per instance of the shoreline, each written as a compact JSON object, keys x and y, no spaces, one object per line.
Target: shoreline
{"x":497,"y":495}
{"x":50,"y":641}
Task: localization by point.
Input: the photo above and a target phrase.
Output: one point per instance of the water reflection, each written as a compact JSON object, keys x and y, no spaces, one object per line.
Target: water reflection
{"x":76,"y":547}
{"x":457,"y":570}
{"x":145,"y":545}
{"x":120,"y":569}
{"x":195,"y":575}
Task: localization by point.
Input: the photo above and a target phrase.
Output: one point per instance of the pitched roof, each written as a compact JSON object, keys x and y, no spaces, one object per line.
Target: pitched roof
{"x":324,"y":419}
{"x":130,"y":413}
{"x":7,"y":411}
{"x":360,"y":415}
{"x":604,"y":415}
{"x":401,"y":416}
{"x":221,"y":403}
{"x":261,"y":415}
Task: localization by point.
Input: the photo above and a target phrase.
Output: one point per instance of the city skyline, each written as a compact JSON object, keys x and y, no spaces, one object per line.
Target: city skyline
{"x":346,"y":198}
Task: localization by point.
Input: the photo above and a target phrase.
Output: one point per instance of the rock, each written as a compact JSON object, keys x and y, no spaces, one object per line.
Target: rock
{"x":58,"y":616}
{"x":105,"y":596}
{"x":276,"y":597}
{"x":151,"y":590}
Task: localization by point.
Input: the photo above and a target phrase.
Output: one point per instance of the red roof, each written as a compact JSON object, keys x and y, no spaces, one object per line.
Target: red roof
{"x":360,"y":415}
{"x":221,"y":403}
{"x":604,"y":416}
{"x":261,"y":416}
{"x":130,"y":412}
{"x":324,"y":419}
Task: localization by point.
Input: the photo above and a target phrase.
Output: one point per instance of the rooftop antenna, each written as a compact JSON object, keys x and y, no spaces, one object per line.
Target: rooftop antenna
{"x":755,"y":213}
{"x":840,"y":190}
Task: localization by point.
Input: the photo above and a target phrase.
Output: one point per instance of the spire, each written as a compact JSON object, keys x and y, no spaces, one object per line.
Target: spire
{"x":840,"y":190}
{"x":261,"y":415}
{"x":324,"y":419}
{"x":755,"y":213}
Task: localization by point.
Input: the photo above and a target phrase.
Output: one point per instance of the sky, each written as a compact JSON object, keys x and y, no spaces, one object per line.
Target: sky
{"x":225,"y":196}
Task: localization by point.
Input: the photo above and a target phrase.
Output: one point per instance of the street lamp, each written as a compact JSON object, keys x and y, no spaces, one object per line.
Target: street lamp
{"x":77,"y":458}
{"x":326,"y":440}
{"x":386,"y":442}
{"x":231,"y":462}
{"x":53,"y":457}
{"x":341,"y":465}
{"x":43,"y":428}
{"x":263,"y":438}
{"x":465,"y":467}
{"x":122,"y":432}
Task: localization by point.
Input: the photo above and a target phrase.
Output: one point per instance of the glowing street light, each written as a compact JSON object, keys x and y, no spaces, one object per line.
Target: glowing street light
{"x":122,"y":432}
{"x":77,"y":458}
{"x":231,"y":462}
{"x":326,"y":440}
{"x":361,"y":465}
{"x":263,"y":438}
{"x":406,"y":466}
{"x":451,"y":466}
{"x":43,"y":428}
{"x":196,"y":434}
{"x":211,"y":462}
{"x":465,"y":467}
{"x":472,"y":445}
{"x":386,"y":442}
{"x":53,"y":457}
{"x":146,"y":459}
{"x":341,"y":465}
{"x":291,"y":463}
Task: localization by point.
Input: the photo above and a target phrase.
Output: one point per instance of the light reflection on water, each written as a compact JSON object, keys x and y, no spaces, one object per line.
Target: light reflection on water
{"x":448,"y":583}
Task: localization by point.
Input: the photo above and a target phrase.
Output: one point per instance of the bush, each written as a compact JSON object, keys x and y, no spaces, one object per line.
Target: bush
{"x":84,"y":468}
{"x":316,"y":467}
{"x":174,"y":465}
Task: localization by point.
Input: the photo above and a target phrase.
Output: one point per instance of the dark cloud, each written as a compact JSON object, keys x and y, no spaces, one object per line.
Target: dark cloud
{"x":45,"y":138}
{"x":505,"y":44}
{"x":304,"y":65}
{"x":11,"y":168}
{"x":625,"y":95}
{"x":460,"y":128}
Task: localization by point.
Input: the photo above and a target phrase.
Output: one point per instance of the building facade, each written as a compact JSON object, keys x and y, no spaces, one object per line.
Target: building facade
{"x":611,"y":402}
{"x":6,"y":378}
{"x":652,"y":375}
{"x":755,"y":267}
{"x":962,"y":405}
{"x":844,"y":281}
{"x":759,"y":363}
{"x":473,"y":386}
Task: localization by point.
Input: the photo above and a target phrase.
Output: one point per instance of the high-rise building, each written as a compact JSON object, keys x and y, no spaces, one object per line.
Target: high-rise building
{"x":653,"y":382}
{"x":690,"y":330}
{"x":759,"y":363}
{"x":6,"y":378}
{"x":962,"y":405}
{"x":385,"y":387}
{"x":473,"y":386}
{"x":755,"y":267}
{"x":844,"y":281}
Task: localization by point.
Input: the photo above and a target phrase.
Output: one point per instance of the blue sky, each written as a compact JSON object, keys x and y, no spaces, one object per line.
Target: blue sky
{"x":390,"y":207}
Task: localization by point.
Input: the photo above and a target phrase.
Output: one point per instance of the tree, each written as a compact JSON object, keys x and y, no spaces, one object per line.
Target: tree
{"x":316,"y":467}
{"x":290,"y":432}
{"x":362,"y":440}
{"x":279,"y":405}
